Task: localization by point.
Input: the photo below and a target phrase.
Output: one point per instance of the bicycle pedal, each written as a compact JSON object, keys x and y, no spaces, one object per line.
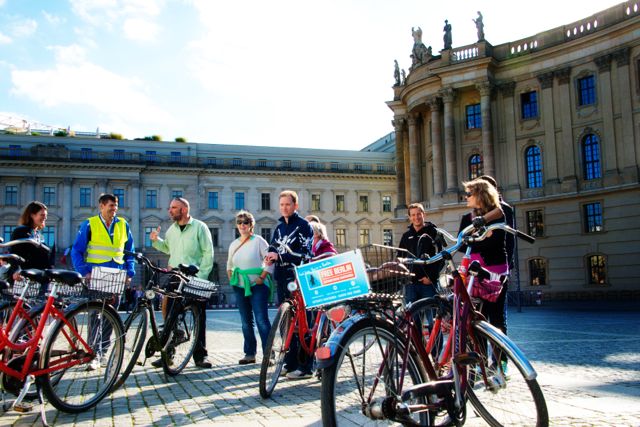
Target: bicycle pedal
{"x":466,"y":359}
{"x":22,"y":407}
{"x":417,"y":391}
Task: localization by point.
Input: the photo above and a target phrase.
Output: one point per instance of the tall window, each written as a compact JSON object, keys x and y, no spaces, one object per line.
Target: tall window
{"x":151,"y":199}
{"x":261,"y":163}
{"x":474,"y":118}
{"x":363,"y":203}
{"x":265,"y":202}
{"x":315,"y":202}
{"x":265,"y":232}
{"x":533,"y":165}
{"x":587,"y":90}
{"x":592,"y":217}
{"x":147,"y":239}
{"x":49,"y":235}
{"x":151,"y":156}
{"x":176,"y":157}
{"x":118,"y":155}
{"x":176,"y":193}
{"x":537,"y":272}
{"x":15,"y":151}
{"x":86,"y":153}
{"x":341,"y":238}
{"x":387,"y":237}
{"x":239,"y":200}
{"x":386,"y":203}
{"x":6,"y":232}
{"x":85,"y":197}
{"x":215,"y":236}
{"x":597,"y":265}
{"x":236,"y":163}
{"x":49,"y":196}
{"x":591,"y":157}
{"x":340,"y":203}
{"x":11,"y":195}
{"x":475,"y":166}
{"x":529,"y":103}
{"x":535,"y":223}
{"x":311,"y":164}
{"x":363,"y":237}
{"x":119,"y":193}
{"x":212,"y":200}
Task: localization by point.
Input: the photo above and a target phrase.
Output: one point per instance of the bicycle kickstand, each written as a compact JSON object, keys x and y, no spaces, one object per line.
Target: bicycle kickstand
{"x":43,"y":413}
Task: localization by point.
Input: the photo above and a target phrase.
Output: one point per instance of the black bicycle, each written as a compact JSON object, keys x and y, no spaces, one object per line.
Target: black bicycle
{"x":175,"y":341}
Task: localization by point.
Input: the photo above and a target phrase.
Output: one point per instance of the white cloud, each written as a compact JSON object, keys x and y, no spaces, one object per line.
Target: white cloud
{"x":140,"y":29}
{"x":23,"y":28}
{"x":4,"y":39}
{"x":52,"y":19}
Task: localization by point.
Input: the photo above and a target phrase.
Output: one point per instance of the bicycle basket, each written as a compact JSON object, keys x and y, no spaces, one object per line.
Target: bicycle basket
{"x":106,"y":282}
{"x":200,"y":288}
{"x":386,"y":275}
{"x":33,"y":288}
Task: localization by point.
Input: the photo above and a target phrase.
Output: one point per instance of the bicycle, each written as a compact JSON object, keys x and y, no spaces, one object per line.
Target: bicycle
{"x":59,"y":363}
{"x":290,"y":319}
{"x":175,"y":341}
{"x":415,"y":384}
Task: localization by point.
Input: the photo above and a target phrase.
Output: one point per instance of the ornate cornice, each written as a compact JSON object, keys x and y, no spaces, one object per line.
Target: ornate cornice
{"x":485,"y":88}
{"x":604,"y":63}
{"x":507,"y":88}
{"x":563,"y":75}
{"x":546,"y":79}
{"x":622,"y":56}
{"x":448,"y":94}
{"x":435,"y":103}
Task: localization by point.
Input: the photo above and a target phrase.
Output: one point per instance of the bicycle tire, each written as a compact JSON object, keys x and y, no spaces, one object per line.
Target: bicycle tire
{"x":273,"y":359}
{"x":78,"y":388}
{"x":135,"y":335}
{"x":180,"y":337}
{"x":368,"y":366}
{"x":507,"y":398}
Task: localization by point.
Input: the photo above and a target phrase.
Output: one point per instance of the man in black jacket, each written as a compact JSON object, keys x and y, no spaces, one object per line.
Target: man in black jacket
{"x":420,"y":240}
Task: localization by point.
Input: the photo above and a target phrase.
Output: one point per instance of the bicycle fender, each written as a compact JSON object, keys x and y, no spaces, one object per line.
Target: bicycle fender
{"x":335,"y":339}
{"x":512,"y":349}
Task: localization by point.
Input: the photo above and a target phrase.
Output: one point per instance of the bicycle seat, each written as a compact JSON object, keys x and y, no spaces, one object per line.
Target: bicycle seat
{"x":189,"y":270}
{"x":67,"y":277}
{"x":12,"y":259}
{"x":35,"y":275}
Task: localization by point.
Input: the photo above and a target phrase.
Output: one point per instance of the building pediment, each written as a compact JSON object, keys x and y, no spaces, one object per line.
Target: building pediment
{"x":152,"y":218}
{"x":364,"y":221}
{"x":340,"y":222}
{"x":213,"y":219}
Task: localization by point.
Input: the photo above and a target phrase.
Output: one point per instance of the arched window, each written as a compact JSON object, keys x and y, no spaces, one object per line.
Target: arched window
{"x":533,"y":167}
{"x":591,"y":157}
{"x":475,"y":166}
{"x":537,"y":272}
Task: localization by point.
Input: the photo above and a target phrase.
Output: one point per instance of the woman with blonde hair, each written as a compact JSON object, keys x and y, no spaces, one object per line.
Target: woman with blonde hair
{"x":252,"y":284}
{"x":321,"y":246}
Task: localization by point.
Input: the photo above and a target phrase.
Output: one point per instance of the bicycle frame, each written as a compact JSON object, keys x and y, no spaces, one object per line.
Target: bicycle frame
{"x":300,"y":319}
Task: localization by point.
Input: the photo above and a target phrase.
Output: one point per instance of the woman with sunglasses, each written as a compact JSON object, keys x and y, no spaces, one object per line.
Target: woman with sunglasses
{"x":251,"y":282}
{"x":484,"y":200}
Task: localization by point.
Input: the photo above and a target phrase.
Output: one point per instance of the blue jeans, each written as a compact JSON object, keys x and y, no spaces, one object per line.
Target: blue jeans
{"x":415,"y":292}
{"x":253,"y":306}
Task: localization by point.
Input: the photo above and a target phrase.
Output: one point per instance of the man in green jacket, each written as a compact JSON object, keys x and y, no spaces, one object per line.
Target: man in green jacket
{"x":188,"y":241}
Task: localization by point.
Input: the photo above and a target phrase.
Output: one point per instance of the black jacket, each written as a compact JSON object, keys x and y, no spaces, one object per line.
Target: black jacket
{"x":492,"y":249}
{"x":422,"y":243}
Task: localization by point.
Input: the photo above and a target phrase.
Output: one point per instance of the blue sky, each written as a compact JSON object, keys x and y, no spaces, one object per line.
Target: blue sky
{"x":314,"y":74}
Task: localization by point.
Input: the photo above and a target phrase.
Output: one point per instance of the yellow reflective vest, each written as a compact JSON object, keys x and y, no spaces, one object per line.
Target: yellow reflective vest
{"x":100,"y":249}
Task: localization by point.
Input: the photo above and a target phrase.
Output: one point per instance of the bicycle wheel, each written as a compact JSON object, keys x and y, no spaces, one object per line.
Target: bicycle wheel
{"x":135,"y":334}
{"x":433,"y":317}
{"x":180,"y":336}
{"x":506,"y":397}
{"x":273,"y":359}
{"x":363,"y":384}
{"x":81,"y":381}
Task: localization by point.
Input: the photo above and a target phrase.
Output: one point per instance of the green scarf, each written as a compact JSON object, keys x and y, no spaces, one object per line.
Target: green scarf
{"x":238,"y":274}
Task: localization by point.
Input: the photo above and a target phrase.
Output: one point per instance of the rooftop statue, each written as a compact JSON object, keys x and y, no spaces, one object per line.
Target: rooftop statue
{"x":447,"y":35}
{"x":479,"y":26}
{"x":419,"y":54}
{"x":396,"y":73}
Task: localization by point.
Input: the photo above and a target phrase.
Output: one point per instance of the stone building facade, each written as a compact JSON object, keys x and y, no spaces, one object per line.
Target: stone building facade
{"x":555,"y":118}
{"x":353,"y":192}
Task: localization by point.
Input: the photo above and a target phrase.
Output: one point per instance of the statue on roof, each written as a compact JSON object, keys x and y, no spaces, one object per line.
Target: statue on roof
{"x":396,"y":72}
{"x":479,"y":26}
{"x":419,"y":54}
{"x":447,"y":35}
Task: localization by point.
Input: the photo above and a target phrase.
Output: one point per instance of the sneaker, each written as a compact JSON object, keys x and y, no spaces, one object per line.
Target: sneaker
{"x":298,"y":375}
{"x":204,"y":364}
{"x":97,"y":363}
{"x":247,"y":360}
{"x":158,"y":362}
{"x":284,"y":371}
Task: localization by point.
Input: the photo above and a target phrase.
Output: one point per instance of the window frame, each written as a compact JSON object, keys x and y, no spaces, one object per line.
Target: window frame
{"x":11,"y":195}
{"x":85,"y":199}
{"x":590,"y":269}
{"x":544,"y":268}
{"x":151,"y":194}
{"x":591,"y":156}
{"x":476,"y":165}
{"x":533,"y":166}
{"x":531,"y":229}
{"x":473,"y":116}
{"x":593,"y":219}
{"x":529,"y":105}
{"x":586,"y":92}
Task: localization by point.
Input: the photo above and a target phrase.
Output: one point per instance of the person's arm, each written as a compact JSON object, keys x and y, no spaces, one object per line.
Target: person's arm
{"x":79,"y":248}
{"x":206,"y":247}
{"x":159,"y":243}
{"x":129,"y":261}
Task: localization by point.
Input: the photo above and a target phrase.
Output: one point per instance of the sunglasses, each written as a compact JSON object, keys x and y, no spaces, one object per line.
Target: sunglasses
{"x":245,"y":222}
{"x":467,"y":194}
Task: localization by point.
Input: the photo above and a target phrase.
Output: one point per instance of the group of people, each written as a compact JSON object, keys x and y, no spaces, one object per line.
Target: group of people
{"x":258,"y":269}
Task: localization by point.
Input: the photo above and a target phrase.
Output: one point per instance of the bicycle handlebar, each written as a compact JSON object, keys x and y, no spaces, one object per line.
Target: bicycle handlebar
{"x":147,"y":262}
{"x":28,"y":240}
{"x":464,"y":238}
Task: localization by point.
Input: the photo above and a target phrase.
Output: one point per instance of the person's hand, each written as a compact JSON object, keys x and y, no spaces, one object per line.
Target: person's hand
{"x":17,"y":276}
{"x":479,"y":222}
{"x":128,"y":281}
{"x":259,"y":281}
{"x":425,"y":280}
{"x":154,"y":234}
{"x":270,"y":258}
{"x":87,"y":276}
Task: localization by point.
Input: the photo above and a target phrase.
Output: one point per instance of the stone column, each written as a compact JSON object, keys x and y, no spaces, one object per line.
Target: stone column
{"x":485,"y":89}
{"x":448,"y":96}
{"x":398,"y":123}
{"x":102,"y":186}
{"x":66,"y":237}
{"x":512,"y":158}
{"x":137,"y":231}
{"x":436,"y":145}
{"x":566,"y":153}
{"x":414,"y":160}
{"x":29,"y":183}
{"x":628,"y":144}
{"x":607,"y":145}
{"x":550,"y":151}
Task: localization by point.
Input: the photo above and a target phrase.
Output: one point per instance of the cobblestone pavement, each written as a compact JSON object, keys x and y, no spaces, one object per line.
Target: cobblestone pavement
{"x":587,"y":358}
